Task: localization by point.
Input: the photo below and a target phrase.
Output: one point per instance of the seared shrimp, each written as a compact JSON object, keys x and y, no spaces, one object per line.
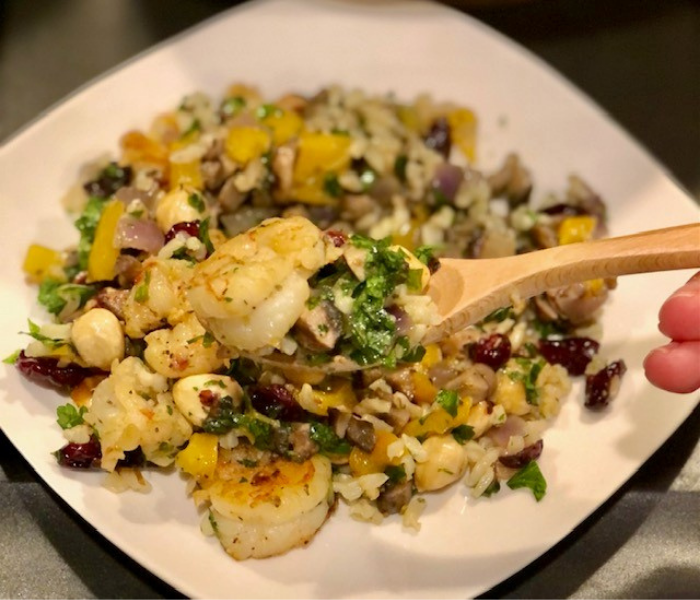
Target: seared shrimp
{"x":263,"y":505}
{"x":251,"y":291}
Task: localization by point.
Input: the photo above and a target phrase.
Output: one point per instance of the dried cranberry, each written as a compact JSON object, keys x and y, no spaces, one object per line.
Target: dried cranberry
{"x":573,"y":353}
{"x":493,"y":351}
{"x":567,"y":210}
{"x":110,"y":179}
{"x":439,"y":137}
{"x":79,"y":456}
{"x":276,"y":402}
{"x":337,"y":237}
{"x":527,"y":454}
{"x":133,"y":458}
{"x":191,"y":228}
{"x":44,"y":371}
{"x":602,"y":387}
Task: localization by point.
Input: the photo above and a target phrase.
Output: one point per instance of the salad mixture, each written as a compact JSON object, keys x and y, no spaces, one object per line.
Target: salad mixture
{"x":307,"y":227}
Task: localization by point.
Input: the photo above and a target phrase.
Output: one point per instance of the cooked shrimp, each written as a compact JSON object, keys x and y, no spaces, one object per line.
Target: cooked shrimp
{"x":251,"y":291}
{"x":263,"y":505}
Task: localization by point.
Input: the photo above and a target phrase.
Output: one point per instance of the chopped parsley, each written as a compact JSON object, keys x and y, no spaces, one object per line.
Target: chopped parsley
{"x":224,"y":417}
{"x":528,"y":378}
{"x":204,"y":235}
{"x":194,"y":126}
{"x":196,"y":202}
{"x":463,"y":433}
{"x":35,"y":332}
{"x":232,"y":106}
{"x":449,"y":400}
{"x":425,"y":254}
{"x":55,"y":295}
{"x":327,"y":440}
{"x":267,"y":110}
{"x":499,"y":315}
{"x":492,"y":489}
{"x":396,"y":474}
{"x":70,"y":416}
{"x":12,"y":358}
{"x":141,"y":292}
{"x":332,"y":186}
{"x":400,"y":167}
{"x":87,"y":225}
{"x":530,"y":477}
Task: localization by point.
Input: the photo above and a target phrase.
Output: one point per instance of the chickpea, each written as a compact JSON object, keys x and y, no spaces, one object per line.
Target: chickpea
{"x":98,"y":337}
{"x":445,"y":464}
{"x":179,"y":206}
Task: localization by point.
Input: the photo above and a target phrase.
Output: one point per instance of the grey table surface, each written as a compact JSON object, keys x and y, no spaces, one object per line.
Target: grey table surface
{"x":639,"y":59}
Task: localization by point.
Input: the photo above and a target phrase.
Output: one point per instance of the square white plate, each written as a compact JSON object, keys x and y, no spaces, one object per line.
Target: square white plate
{"x":465,"y":546}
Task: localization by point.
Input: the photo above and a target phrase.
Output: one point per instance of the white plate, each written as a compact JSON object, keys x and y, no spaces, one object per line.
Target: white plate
{"x":465,"y":546}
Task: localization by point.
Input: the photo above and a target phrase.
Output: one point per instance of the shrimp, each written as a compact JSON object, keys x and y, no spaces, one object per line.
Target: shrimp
{"x":252,"y":289}
{"x":263,"y":505}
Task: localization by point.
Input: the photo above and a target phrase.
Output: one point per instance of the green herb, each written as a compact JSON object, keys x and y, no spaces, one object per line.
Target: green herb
{"x":70,"y":416}
{"x":528,"y":378}
{"x":530,"y":477}
{"x":425,"y":254}
{"x":332,"y":186}
{"x":248,"y":462}
{"x":327,"y":440}
{"x":266,"y":110}
{"x":400,"y":167}
{"x":415,"y":280}
{"x":440,"y":198}
{"x":195,"y":126}
{"x":87,"y":225}
{"x":213,"y":523}
{"x":232,"y":106}
{"x":196,"y":202}
{"x":224,"y":417}
{"x":396,"y":474}
{"x":499,"y":315}
{"x":549,"y":328}
{"x":204,"y":235}
{"x":141,"y":293}
{"x":337,"y":131}
{"x":244,"y":371}
{"x":322,"y":329}
{"x":12,"y":358}
{"x":35,"y":332}
{"x":463,"y":433}
{"x":449,"y":400}
{"x":492,"y":489}
{"x":54,"y":295}
{"x":216,"y":382}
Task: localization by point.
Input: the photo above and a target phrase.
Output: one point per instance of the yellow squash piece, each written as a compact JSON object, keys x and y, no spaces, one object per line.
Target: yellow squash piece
{"x":200,"y":456}
{"x":463,"y":128}
{"x":284,"y":124}
{"x":186,"y":173}
{"x":576,"y":229}
{"x":245,"y":143}
{"x":103,"y":254}
{"x":438,"y":421}
{"x":339,"y":394}
{"x":363,"y":463}
{"x":41,"y":262}
{"x":321,"y":153}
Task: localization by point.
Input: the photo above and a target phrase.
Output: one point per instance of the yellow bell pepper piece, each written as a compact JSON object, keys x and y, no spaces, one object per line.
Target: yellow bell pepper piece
{"x":363,"y":463}
{"x":439,"y":421}
{"x":245,"y":143}
{"x":424,"y":391}
{"x":139,"y":148}
{"x":340,"y":393}
{"x":321,"y":153}
{"x":576,"y":229}
{"x":186,"y":173}
{"x":284,"y":124}
{"x":200,"y":456}
{"x":432,"y":356}
{"x":184,"y":140}
{"x":41,"y":262}
{"x":462,"y":123}
{"x":103,"y":254}
{"x":312,"y":192}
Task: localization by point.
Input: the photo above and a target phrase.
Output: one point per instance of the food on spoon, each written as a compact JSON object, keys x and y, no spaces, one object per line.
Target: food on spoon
{"x":285,"y":285}
{"x":342,"y":203}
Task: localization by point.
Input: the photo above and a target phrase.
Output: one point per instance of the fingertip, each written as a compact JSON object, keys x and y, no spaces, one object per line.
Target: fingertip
{"x":674,"y":367}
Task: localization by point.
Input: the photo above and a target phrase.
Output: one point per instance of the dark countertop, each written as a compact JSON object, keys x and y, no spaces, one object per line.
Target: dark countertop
{"x":639,"y":59}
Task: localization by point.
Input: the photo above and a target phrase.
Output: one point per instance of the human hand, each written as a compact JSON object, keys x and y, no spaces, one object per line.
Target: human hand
{"x":676,"y":366}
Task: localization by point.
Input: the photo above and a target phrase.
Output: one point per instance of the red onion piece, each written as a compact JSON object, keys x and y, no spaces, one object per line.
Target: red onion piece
{"x":514,"y":425}
{"x":447,"y":179}
{"x":138,"y":234}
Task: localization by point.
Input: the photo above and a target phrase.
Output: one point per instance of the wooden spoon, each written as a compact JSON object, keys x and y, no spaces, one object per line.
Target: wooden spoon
{"x":465,"y":291}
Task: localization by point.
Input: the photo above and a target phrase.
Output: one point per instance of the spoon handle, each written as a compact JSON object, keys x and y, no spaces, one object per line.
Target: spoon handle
{"x":487,"y":284}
